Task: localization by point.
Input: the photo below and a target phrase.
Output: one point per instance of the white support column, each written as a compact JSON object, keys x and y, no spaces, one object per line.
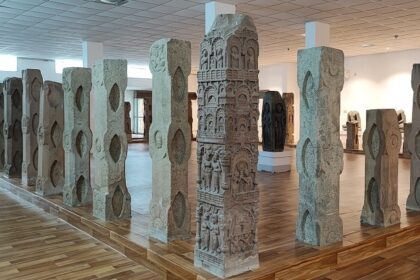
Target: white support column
{"x":213,"y":9}
{"x":317,"y":34}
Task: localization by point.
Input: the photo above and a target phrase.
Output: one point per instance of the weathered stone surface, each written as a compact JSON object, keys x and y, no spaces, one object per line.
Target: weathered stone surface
{"x":407,"y":131}
{"x":319,"y":152}
{"x":227,"y":148}
{"x":50,"y":140}
{"x":381,"y":143}
{"x":12,"y":127}
{"x":32,"y":85}
{"x":77,"y":84}
{"x":413,"y":200}
{"x":352,"y":141}
{"x":354,"y":118}
{"x":273,"y":122}
{"x":170,"y":143}
{"x":111,"y":199}
{"x":147,"y":120}
{"x":2,"y":139}
{"x":289,"y":101}
{"x":127,"y":121}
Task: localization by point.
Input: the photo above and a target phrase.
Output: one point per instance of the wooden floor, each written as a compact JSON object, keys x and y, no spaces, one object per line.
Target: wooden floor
{"x":36,"y":245}
{"x":280,"y":255}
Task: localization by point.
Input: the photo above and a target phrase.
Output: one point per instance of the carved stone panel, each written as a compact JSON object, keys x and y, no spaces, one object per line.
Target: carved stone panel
{"x":32,"y":85}
{"x":77,"y":84}
{"x":147,"y":120}
{"x":352,"y":141}
{"x":273,"y":122}
{"x":413,"y":200}
{"x":288,"y":98}
{"x":111,"y":199}
{"x":170,"y":64}
{"x":381,"y":143}
{"x":127,"y":121}
{"x":319,"y":152}
{"x":50,"y":179}
{"x":2,"y":138}
{"x":12,"y":129}
{"x":227,"y":148}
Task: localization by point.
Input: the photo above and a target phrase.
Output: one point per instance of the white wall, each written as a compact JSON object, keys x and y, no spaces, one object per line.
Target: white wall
{"x":47,"y":68}
{"x":378,"y":81}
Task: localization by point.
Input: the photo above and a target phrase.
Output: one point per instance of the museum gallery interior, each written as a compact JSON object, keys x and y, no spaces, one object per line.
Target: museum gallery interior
{"x":195,"y":139}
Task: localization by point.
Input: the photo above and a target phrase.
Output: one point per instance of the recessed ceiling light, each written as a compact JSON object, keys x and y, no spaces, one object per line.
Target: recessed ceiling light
{"x":367,"y":45}
{"x":113,"y":2}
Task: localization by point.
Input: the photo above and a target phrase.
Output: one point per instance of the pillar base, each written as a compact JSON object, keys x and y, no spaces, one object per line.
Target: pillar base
{"x":274,"y":162}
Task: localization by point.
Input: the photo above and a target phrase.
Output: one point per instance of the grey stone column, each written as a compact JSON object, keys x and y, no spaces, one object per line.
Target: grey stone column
{"x":170,"y":140}
{"x":381,"y":143}
{"x":289,"y":101}
{"x":50,"y":179}
{"x":127,"y":121}
{"x":319,"y":153}
{"x":2,"y":138}
{"x":111,"y":199}
{"x":32,"y":85}
{"x":352,"y":139}
{"x":77,"y":84}
{"x":227,"y":148}
{"x":13,"y":127}
{"x":413,"y":200}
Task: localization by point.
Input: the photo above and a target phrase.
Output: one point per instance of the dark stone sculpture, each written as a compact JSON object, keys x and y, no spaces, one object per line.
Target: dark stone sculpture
{"x":273,"y":122}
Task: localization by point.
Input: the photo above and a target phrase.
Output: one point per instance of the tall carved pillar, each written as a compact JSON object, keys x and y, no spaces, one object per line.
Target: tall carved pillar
{"x":32,"y":84}
{"x":13,"y":127}
{"x":170,"y":144}
{"x":319,"y":151}
{"x":77,"y":84}
{"x":127,"y":121}
{"x":147,"y":119}
{"x":381,"y":143}
{"x":352,"y":140}
{"x":2,"y":138}
{"x":227,"y":148}
{"x":111,"y":199}
{"x":50,"y":140}
{"x":413,"y":200}
{"x":273,"y":122}
{"x":289,"y":101}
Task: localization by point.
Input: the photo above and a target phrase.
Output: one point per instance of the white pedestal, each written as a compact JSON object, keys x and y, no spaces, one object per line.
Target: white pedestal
{"x":274,"y":161}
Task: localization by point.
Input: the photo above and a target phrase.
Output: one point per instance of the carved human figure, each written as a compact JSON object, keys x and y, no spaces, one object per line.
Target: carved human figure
{"x":207,"y":170}
{"x":274,"y":122}
{"x":214,"y":234}
{"x":205,"y":231}
{"x":216,"y":173}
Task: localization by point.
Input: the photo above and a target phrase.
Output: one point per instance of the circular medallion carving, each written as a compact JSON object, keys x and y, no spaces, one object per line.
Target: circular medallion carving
{"x":308,"y":89}
{"x":81,"y":188}
{"x":178,"y":146}
{"x":115,"y":148}
{"x":308,"y":158}
{"x":374,"y":141}
{"x":373,"y":195}
{"x":53,"y":99}
{"x":35,"y":123}
{"x":81,"y":144}
{"x":179,"y":209}
{"x":178,"y":85}
{"x":35,"y":89}
{"x":56,"y":135}
{"x":117,"y":201}
{"x":35,"y":158}
{"x":114,"y":97}
{"x":78,"y":98}
{"x":56,"y":174}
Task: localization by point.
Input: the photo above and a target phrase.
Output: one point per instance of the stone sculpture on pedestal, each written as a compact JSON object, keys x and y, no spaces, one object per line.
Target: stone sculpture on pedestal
{"x":273,"y":122}
{"x":111,"y":199}
{"x":319,"y":152}
{"x":2,"y":140}
{"x":413,"y":200}
{"x":352,"y":141}
{"x":381,"y":143}
{"x":227,"y":148}
{"x":32,"y":85}
{"x":77,"y":84}
{"x":127,"y":121}
{"x":170,"y":64}
{"x":289,"y":101}
{"x":12,"y":129}
{"x":50,"y":178}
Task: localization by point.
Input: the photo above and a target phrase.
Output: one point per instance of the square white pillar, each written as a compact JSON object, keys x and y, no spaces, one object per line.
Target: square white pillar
{"x":317,"y":34}
{"x":213,"y":9}
{"x":92,"y":51}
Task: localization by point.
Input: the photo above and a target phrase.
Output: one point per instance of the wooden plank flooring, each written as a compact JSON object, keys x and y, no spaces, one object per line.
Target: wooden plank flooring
{"x":36,"y":245}
{"x":280,"y":255}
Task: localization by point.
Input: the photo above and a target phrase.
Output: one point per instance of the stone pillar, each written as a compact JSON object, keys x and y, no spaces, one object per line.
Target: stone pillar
{"x":381,"y":143}
{"x":127,"y":121}
{"x":111,"y":199}
{"x":413,"y":200}
{"x":147,"y":119}
{"x":77,"y":84}
{"x":273,"y":122}
{"x":407,"y":131}
{"x":170,"y":144}
{"x":50,"y":179}
{"x":13,"y":127}
{"x":352,"y":140}
{"x":227,"y":148}
{"x":32,"y":84}
{"x":319,"y":151}
{"x":289,"y":101}
{"x":2,"y":138}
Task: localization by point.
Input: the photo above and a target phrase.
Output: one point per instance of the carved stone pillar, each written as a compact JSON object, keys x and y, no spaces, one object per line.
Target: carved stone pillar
{"x":413,"y":200}
{"x":381,"y":143}
{"x":147,"y":119}
{"x":127,"y":121}
{"x":170,"y":143}
{"x":77,"y":84}
{"x":13,"y":127}
{"x":2,"y":139}
{"x":273,"y":122}
{"x":289,"y":101}
{"x":32,"y":85}
{"x":407,"y":131}
{"x":50,"y":179}
{"x":319,"y":151}
{"x":352,"y":140}
{"x":227,"y":148}
{"x":111,"y":199}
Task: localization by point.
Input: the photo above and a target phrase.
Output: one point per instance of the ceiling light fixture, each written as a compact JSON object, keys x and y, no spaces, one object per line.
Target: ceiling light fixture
{"x":367,"y":45}
{"x":113,"y":2}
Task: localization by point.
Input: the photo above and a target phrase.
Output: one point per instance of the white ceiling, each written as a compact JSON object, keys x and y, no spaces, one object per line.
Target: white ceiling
{"x":56,"y":28}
